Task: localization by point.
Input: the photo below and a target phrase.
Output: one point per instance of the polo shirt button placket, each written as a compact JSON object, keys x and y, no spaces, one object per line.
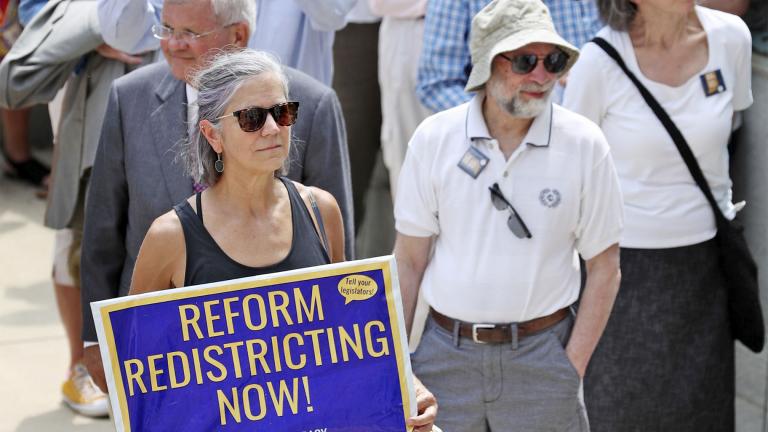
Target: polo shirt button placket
{"x":508,"y":166}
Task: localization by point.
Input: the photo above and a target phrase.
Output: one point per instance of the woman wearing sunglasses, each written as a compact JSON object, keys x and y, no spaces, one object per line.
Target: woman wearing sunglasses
{"x":250,"y":220}
{"x":666,"y":359}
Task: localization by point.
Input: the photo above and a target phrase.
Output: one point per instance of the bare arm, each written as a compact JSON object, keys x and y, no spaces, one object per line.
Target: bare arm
{"x":109,"y":52}
{"x":412,"y":255}
{"x":603,"y":277}
{"x":157,"y":268}
{"x":162,"y":258}
{"x":332,"y":222}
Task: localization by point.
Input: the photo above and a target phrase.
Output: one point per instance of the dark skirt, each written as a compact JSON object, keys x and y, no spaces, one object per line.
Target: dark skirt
{"x":665,"y":361}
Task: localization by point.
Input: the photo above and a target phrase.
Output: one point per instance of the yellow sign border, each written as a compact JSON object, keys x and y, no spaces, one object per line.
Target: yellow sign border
{"x":392,"y":294}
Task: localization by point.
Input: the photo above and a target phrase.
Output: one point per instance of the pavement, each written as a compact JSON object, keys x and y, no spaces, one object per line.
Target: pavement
{"x":33,"y":348}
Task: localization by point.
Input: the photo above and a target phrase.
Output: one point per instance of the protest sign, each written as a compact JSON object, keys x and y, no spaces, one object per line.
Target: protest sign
{"x":318,"y":349}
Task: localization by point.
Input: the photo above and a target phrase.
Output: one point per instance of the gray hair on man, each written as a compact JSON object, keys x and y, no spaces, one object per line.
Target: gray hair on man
{"x":617,"y":14}
{"x":216,"y":84}
{"x":229,"y":12}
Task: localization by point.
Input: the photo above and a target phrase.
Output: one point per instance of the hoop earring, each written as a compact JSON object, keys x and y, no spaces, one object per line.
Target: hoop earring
{"x":219,"y":164}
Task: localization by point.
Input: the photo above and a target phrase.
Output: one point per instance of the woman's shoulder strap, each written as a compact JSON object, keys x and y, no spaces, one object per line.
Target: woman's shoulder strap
{"x":319,"y":218}
{"x":320,"y":227}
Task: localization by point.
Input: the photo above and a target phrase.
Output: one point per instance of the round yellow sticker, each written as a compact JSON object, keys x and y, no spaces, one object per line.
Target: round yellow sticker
{"x":357,"y":287}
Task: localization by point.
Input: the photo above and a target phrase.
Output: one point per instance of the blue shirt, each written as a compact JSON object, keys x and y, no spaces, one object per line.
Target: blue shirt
{"x":299,"y":32}
{"x":446,"y":62}
{"x":28,"y":9}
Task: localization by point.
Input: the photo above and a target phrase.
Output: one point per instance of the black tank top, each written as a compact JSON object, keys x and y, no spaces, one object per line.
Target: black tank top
{"x":206,"y":262}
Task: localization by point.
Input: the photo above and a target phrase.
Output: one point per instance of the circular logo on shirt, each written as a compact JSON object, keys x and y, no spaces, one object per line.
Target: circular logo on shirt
{"x":550,"y":197}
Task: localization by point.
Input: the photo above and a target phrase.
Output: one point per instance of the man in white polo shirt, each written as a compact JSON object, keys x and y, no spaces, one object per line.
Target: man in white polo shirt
{"x":497,"y":197}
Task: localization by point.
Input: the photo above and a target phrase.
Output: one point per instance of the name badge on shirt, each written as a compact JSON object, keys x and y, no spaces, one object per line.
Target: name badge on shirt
{"x":473,"y":162}
{"x":713,"y":83}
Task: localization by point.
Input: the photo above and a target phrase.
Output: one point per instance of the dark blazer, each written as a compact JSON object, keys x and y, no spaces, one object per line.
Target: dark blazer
{"x":136,"y":176}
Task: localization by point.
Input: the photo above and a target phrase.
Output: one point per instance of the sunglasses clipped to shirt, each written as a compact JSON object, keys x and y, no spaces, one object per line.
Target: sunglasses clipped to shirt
{"x":253,"y":118}
{"x":554,"y":62}
{"x":515,"y":222}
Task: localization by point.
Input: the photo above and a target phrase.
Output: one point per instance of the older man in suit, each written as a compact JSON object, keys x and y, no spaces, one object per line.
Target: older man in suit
{"x":137,"y":177}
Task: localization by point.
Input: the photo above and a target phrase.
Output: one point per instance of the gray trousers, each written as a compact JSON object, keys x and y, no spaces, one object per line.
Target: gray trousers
{"x":480,"y":387}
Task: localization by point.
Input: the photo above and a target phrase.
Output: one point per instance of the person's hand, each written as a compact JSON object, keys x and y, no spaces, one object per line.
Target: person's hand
{"x":111,"y":53}
{"x":427,"y":408}
{"x":92,"y":362}
{"x":579,"y":362}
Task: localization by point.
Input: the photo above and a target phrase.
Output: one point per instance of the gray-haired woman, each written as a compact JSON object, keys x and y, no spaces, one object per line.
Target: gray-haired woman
{"x":250,"y":220}
{"x":665,"y":361}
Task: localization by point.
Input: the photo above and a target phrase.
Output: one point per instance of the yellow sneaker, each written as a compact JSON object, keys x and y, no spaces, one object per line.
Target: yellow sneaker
{"x":82,"y":395}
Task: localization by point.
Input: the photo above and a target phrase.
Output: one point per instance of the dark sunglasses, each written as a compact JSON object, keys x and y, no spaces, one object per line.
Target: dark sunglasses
{"x":522,"y":64}
{"x":253,"y":118}
{"x":515,"y":222}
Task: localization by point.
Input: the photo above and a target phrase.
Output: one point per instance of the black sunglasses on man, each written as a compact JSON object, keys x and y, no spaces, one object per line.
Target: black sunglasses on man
{"x":515,"y":222}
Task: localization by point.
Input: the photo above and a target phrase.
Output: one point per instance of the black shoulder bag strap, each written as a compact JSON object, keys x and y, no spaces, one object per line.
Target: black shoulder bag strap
{"x":669,"y":125}
{"x":738,"y":265}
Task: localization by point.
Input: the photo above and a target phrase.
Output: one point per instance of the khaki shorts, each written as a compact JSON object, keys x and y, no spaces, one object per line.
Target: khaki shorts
{"x":67,"y":244}
{"x":61,"y":245}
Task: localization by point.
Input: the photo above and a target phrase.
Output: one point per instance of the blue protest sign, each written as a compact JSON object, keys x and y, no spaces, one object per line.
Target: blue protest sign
{"x":319,"y":349}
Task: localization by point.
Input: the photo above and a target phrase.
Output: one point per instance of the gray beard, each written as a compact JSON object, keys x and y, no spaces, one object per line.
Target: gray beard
{"x":516,"y":107}
{"x":525,"y":109}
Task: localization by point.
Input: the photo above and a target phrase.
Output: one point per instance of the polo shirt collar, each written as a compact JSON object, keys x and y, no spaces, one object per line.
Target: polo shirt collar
{"x":476,"y":127}
{"x":539,"y":134}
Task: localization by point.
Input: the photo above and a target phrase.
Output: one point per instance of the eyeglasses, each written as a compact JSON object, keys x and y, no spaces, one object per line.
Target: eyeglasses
{"x":164,"y":33}
{"x":515,"y":222}
{"x":522,"y":64}
{"x":253,"y":118}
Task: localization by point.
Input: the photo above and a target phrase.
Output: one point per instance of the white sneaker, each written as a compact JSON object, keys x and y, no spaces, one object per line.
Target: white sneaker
{"x":82,"y":395}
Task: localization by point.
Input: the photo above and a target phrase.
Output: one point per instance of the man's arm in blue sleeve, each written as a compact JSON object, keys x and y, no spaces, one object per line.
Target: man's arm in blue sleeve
{"x":445,"y":60}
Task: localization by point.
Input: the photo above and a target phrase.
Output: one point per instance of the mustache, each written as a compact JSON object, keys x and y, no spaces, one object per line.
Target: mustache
{"x":536,"y":88}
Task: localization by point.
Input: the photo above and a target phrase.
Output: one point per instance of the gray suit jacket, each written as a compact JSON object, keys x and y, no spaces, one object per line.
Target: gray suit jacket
{"x":47,"y":52}
{"x":85,"y":102}
{"x":136,"y":176}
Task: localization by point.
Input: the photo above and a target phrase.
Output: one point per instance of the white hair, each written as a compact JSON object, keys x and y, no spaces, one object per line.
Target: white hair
{"x":235,"y":11}
{"x":231,"y":11}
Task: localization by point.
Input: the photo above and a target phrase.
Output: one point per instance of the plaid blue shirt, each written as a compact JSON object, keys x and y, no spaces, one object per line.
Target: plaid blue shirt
{"x":445,"y":60}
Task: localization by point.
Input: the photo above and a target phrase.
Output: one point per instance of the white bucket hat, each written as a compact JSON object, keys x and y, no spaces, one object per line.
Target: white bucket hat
{"x":506,"y":25}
